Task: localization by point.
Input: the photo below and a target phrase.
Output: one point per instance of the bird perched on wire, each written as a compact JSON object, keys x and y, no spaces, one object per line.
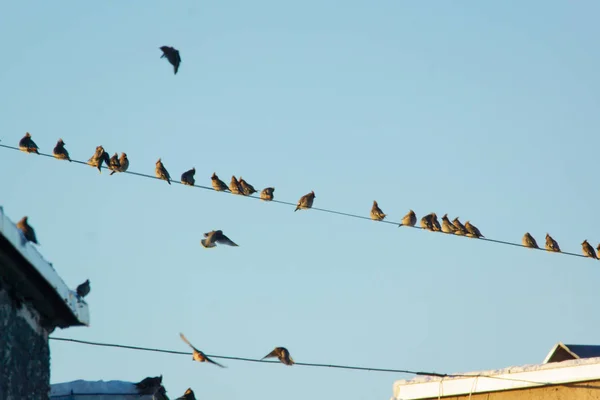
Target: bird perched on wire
{"x":306,"y":201}
{"x":551,"y":244}
{"x":376,"y":213}
{"x":247,"y":189}
{"x":267,"y":194}
{"x":173,"y":56}
{"x":588,"y":250}
{"x":60,"y":152}
{"x":100,"y":156}
{"x":426,"y":222}
{"x":197,"y":355}
{"x":83,"y":289}
{"x":149,"y":385}
{"x":213,"y":237}
{"x":447,"y":226}
{"x":435,"y":223}
{"x":161,"y":172}
{"x":410,"y":219}
{"x":460,"y":228}
{"x":283,"y":354}
{"x":472,"y":230}
{"x":27,"y":230}
{"x":27,"y":145}
{"x":188,"y":395}
{"x":235,"y":187}
{"x":113,"y":163}
{"x":123,"y":163}
{"x":218,"y":184}
{"x":529,"y":241}
{"x":187,"y":178}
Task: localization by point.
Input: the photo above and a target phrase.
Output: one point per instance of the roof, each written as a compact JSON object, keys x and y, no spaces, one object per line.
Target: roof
{"x":34,"y":279}
{"x":98,"y":390}
{"x":527,"y":376}
{"x":563,"y":352}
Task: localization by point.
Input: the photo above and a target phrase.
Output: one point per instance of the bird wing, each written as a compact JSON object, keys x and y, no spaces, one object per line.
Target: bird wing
{"x":214,"y":362}
{"x":187,"y":341}
{"x":225,"y":240}
{"x":274,"y":353}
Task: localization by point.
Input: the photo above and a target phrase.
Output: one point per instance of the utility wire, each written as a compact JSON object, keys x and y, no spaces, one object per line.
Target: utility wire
{"x":314,"y":208}
{"x":398,"y":371}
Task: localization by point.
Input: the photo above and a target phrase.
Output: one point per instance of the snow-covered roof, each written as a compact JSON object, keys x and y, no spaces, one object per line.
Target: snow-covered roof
{"x":34,"y":278}
{"x":98,"y":390}
{"x":527,"y":376}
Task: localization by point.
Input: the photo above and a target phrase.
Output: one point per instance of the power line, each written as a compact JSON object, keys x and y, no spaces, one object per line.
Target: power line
{"x":503,"y":242}
{"x":255,"y":360}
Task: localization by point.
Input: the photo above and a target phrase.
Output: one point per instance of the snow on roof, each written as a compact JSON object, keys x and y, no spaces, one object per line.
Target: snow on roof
{"x":97,"y":390}
{"x":47,"y":290}
{"x":527,"y":376}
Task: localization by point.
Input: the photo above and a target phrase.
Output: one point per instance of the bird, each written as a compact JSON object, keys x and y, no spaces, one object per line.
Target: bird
{"x":588,"y":250}
{"x":529,"y":241}
{"x":472,"y":230}
{"x":123,"y":163}
{"x":435,"y":223}
{"x":283,"y":354}
{"x":551,"y":244}
{"x":410,"y":219}
{"x":213,"y":237}
{"x":218,"y":184}
{"x":598,"y":248}
{"x":187,"y":178}
{"x":98,"y":158}
{"x":197,"y":355}
{"x":161,"y":172}
{"x":306,"y":201}
{"x":426,"y":222}
{"x":235,"y":187}
{"x":173,"y":56}
{"x":60,"y":152}
{"x":460,"y":228}
{"x":149,"y":385}
{"x":27,"y":230}
{"x":113,"y":163}
{"x":83,"y":289}
{"x":188,"y":395}
{"x":376,"y":213}
{"x":267,"y":194}
{"x":447,"y":226}
{"x":27,"y":145}
{"x":247,"y":189}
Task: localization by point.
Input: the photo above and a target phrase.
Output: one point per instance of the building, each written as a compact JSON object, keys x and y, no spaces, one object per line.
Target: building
{"x":103,"y":390}
{"x":568,"y":372}
{"x":34,"y":301}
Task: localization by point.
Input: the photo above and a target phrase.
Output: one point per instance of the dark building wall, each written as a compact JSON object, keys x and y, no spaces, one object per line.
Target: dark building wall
{"x":24,"y":352}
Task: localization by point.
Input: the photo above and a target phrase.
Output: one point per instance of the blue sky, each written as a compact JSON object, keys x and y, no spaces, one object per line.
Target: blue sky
{"x":483,"y":110}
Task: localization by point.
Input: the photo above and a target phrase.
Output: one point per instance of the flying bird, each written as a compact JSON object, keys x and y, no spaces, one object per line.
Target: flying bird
{"x":113,"y":163}
{"x":588,"y":250}
{"x":83,"y":289}
{"x":27,"y":230}
{"x":247,"y":189}
{"x":149,"y":385}
{"x":447,"y":226}
{"x":410,"y":219}
{"x":426,"y":222}
{"x":267,"y":194}
{"x":213,"y":237}
{"x":218,"y":184}
{"x":551,"y":244}
{"x":27,"y":145}
{"x":161,"y":172}
{"x":460,"y":228}
{"x":435,"y":223}
{"x":472,"y":230}
{"x":283,"y":354}
{"x":172,"y":55}
{"x":123,"y":163}
{"x":60,"y":152}
{"x":376,"y":213}
{"x":306,"y":201}
{"x":187,"y":178}
{"x":188,"y":395}
{"x":235,"y":187}
{"x":198,"y":355}
{"x":529,"y":241}
{"x":100,"y":156}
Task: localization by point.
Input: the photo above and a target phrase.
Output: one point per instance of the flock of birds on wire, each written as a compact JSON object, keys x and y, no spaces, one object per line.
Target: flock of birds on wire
{"x":241,"y":187}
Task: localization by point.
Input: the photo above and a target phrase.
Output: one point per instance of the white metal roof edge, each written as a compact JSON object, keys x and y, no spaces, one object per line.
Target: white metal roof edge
{"x":510,"y":378}
{"x":10,"y":231}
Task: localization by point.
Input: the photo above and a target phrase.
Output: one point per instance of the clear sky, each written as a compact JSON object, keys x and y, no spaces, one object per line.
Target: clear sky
{"x":484,"y":110}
